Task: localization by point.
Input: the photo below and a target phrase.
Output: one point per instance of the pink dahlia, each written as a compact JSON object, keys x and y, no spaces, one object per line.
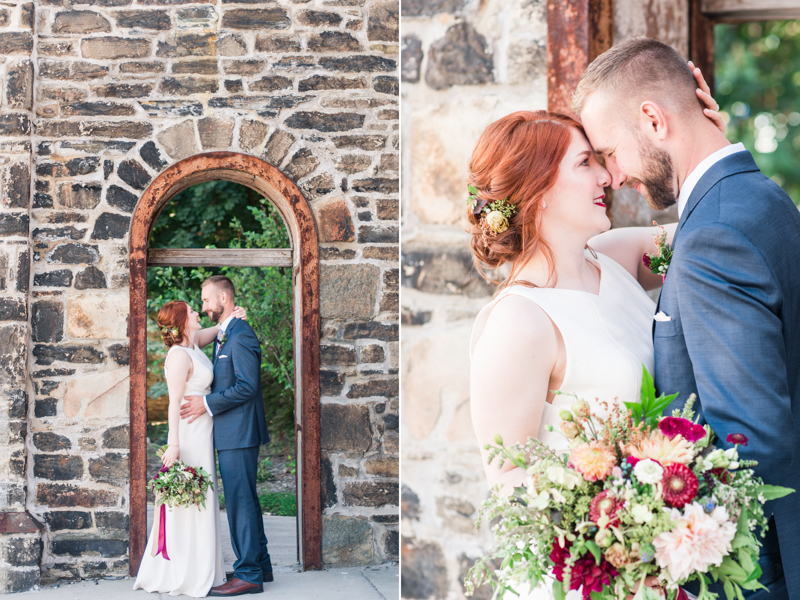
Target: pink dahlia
{"x":672,"y":426}
{"x":606,"y":504}
{"x":593,"y":460}
{"x":697,"y":541}
{"x":663,"y":449}
{"x":585,"y":572}
{"x":646,"y":260}
{"x":679,"y":485}
{"x":737,"y":438}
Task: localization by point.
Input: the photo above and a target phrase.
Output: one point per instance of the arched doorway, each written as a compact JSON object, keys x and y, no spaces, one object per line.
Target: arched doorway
{"x":302,"y":257}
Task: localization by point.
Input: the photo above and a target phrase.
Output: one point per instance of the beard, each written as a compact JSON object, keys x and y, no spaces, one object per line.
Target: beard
{"x":657,"y":177}
{"x":215,"y":313}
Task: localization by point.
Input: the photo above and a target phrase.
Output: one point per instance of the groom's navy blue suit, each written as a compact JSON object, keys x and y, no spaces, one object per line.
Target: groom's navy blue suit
{"x":239,"y":429}
{"x":733,"y":294}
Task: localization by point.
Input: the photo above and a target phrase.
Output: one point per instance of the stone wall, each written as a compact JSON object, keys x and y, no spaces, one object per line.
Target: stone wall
{"x":464,"y":64}
{"x":99,"y":97}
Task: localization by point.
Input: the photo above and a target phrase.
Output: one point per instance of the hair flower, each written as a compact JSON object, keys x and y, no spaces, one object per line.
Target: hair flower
{"x":496,"y":221}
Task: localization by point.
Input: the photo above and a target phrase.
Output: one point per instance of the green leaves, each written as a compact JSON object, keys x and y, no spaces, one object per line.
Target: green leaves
{"x":651,"y":407}
{"x":773,"y":492}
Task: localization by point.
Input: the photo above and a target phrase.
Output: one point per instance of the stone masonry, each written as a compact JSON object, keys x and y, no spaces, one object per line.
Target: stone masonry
{"x":465,"y":64}
{"x":99,"y":97}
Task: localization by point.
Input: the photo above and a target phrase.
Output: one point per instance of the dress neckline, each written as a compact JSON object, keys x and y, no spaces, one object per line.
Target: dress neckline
{"x":592,"y":260}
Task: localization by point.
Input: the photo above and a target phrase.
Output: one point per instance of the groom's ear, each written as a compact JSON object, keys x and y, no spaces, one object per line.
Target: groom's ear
{"x":653,"y":121}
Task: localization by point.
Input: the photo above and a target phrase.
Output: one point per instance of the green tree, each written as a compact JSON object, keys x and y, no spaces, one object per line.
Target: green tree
{"x":758,"y":90}
{"x":222,"y":214}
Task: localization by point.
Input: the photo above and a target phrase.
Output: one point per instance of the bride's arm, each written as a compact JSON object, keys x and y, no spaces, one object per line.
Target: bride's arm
{"x":509,"y":382}
{"x":180,"y":367}
{"x":628,"y":245}
{"x":205,"y":336}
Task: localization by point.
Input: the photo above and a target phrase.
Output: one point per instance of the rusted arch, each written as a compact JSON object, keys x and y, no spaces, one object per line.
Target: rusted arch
{"x":296,"y":214}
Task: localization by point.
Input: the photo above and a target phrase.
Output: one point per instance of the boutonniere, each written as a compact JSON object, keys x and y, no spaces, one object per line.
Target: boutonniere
{"x":658,"y":263}
{"x":222,"y":339}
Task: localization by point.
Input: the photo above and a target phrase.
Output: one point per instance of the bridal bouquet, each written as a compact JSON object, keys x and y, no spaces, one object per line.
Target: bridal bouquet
{"x":640,"y":495}
{"x":178,"y":485}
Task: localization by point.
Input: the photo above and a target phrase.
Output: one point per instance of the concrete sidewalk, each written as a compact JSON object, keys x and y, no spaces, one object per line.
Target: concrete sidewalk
{"x":370,"y":583}
{"x":365,"y":583}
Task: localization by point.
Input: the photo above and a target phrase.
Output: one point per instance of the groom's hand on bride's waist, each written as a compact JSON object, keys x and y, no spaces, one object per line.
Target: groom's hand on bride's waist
{"x":192,"y":407}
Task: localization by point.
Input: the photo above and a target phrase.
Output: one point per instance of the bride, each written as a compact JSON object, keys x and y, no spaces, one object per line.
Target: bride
{"x":573,"y":314}
{"x":192,"y":533}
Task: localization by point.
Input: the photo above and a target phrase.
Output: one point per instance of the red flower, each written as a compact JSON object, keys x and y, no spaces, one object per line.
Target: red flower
{"x":672,"y":426}
{"x":723,"y":475}
{"x":191,"y":470}
{"x":632,"y":460}
{"x":585,"y":572}
{"x":604,"y":503}
{"x":646,"y":260}
{"x":163,"y":469}
{"x":679,"y":485}
{"x":737,"y":438}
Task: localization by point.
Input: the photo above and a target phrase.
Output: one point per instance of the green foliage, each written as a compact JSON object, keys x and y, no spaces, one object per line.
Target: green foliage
{"x":758,"y":88}
{"x":263,"y":473}
{"x":222,"y":214}
{"x":281,"y":504}
{"x":650,"y":408}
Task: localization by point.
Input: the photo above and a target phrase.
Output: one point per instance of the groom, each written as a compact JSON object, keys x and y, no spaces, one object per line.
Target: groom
{"x":237,"y":407}
{"x":730,"y":329}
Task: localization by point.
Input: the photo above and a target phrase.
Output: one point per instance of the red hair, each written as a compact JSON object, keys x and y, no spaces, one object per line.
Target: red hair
{"x":518,"y":158}
{"x":173,"y":315}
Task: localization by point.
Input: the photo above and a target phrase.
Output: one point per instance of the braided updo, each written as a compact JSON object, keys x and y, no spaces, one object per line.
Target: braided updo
{"x":517,"y":158}
{"x":172,"y":320}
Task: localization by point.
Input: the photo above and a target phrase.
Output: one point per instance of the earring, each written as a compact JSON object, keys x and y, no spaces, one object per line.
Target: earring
{"x":544,"y":204}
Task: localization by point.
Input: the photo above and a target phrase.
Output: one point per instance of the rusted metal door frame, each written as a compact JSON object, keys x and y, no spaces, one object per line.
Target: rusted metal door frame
{"x":296,"y":214}
{"x":704,"y":14}
{"x":578,"y":31}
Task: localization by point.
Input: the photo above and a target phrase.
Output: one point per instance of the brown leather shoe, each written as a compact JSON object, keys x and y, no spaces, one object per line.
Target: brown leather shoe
{"x":236,"y":587}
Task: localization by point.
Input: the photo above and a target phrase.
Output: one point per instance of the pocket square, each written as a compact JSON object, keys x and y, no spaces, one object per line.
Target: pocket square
{"x":222,"y":356}
{"x":661,"y":316}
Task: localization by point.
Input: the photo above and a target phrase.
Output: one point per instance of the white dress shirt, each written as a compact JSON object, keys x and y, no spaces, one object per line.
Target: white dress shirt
{"x":709,"y":161}
{"x":222,"y":327}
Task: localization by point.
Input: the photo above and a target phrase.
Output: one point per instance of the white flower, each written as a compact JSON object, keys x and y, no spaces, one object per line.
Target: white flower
{"x":541,"y":501}
{"x":648,"y":471}
{"x":641,"y":514}
{"x":566,"y":477}
{"x":557,"y":496}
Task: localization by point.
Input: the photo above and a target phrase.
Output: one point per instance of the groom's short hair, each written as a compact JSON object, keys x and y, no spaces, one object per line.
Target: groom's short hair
{"x":222,"y":283}
{"x":640,"y":69}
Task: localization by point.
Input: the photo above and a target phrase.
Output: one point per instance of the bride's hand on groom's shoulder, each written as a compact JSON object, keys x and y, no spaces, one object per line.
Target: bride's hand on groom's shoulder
{"x":239,"y":313}
{"x":704,"y":94}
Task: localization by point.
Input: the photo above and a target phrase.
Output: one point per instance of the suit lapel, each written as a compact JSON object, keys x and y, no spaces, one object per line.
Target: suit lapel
{"x":227,"y":335}
{"x":739,"y":162}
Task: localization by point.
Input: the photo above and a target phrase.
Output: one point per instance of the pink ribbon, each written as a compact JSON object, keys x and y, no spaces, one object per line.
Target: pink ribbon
{"x":162,"y":533}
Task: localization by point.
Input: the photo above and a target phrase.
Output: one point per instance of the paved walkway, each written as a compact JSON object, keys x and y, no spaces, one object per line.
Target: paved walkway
{"x":367,"y":583}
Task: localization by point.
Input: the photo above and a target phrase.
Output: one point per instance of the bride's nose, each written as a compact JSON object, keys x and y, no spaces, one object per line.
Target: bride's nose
{"x":604,"y":177}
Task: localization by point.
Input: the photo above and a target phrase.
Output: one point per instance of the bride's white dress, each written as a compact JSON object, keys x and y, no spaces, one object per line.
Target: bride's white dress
{"x":192,"y":533}
{"x":607,"y":339}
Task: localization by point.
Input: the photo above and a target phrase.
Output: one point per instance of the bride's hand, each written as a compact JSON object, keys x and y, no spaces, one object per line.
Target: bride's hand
{"x":704,"y":93}
{"x":239,"y":313}
{"x":172,"y":454}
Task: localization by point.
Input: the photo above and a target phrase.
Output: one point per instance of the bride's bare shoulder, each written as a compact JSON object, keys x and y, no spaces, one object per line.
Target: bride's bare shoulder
{"x":518,"y":322}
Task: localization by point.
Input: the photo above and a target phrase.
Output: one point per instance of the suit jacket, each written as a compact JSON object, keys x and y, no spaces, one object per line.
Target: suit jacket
{"x":733,"y":294}
{"x":235,"y":399}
